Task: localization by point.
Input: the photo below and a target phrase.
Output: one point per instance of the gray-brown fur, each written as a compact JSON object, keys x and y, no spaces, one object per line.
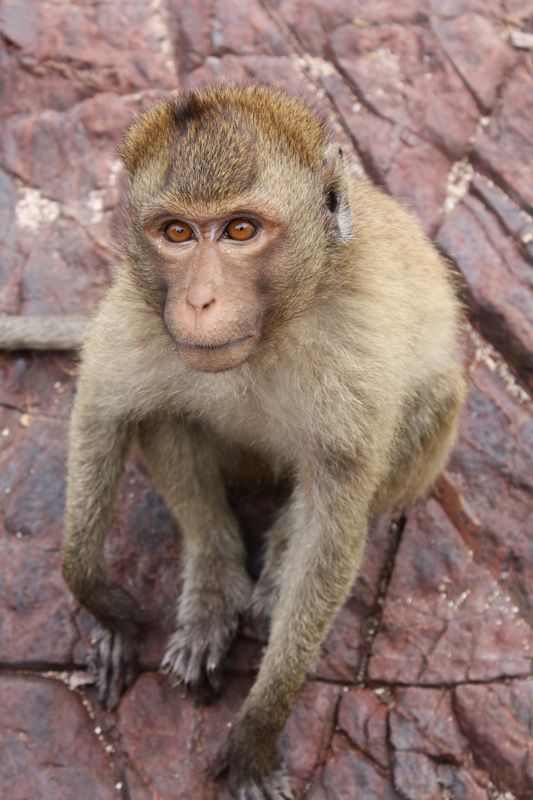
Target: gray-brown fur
{"x":326,"y":346}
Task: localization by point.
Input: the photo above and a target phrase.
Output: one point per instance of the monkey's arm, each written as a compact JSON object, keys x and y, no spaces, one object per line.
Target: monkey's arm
{"x":98,"y":447}
{"x":322,"y":561}
{"x":54,"y":332}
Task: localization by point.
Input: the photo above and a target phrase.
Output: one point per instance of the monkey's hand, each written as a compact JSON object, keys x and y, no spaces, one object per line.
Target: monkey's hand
{"x":113,"y":661}
{"x":208,"y":617}
{"x":247,"y":778}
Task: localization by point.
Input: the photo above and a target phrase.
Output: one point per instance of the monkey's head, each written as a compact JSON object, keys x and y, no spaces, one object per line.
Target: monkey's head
{"x":238,"y":204}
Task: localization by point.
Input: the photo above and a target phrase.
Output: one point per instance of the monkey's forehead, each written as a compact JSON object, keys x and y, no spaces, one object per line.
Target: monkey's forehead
{"x":218,"y":139}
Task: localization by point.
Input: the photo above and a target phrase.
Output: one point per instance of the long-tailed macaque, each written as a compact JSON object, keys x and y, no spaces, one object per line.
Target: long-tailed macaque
{"x":270,"y":304}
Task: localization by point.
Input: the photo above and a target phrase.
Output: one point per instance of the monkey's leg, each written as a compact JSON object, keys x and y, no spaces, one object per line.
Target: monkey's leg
{"x":266,"y":591}
{"x":98,"y":448}
{"x":216,"y":586}
{"x":323,"y":557}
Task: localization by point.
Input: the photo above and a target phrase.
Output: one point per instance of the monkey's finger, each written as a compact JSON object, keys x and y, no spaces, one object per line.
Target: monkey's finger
{"x":174,"y":664}
{"x":101,"y":661}
{"x":213,"y":679}
{"x":195,"y":666}
{"x":116,"y":674}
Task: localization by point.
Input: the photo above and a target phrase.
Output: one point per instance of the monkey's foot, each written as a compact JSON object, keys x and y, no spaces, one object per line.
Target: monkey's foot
{"x":252,"y":766}
{"x":113,"y":661}
{"x":275,"y":787}
{"x":207,"y":623}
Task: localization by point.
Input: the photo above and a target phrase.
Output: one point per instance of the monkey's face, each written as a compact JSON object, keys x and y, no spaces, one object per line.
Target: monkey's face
{"x":214,"y":272}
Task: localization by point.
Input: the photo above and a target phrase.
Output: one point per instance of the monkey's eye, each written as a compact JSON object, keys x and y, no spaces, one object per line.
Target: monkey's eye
{"x":178,"y":232}
{"x":240,"y":229}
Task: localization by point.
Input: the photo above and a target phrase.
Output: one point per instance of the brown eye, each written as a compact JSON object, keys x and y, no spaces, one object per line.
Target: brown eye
{"x":179,"y":232}
{"x":240,"y":229}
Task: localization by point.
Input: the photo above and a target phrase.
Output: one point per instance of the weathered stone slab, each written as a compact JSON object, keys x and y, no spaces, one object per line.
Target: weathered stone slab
{"x":499,"y":279}
{"x":205,"y":29}
{"x":383,"y":63}
{"x":478,"y":52}
{"x":349,"y":774}
{"x":170,"y":743}
{"x":513,"y":218}
{"x":362,"y":716}
{"x":488,"y":486}
{"x":412,"y":169}
{"x":49,"y":748}
{"x":72,"y":50}
{"x":498,"y":722}
{"x":423,"y":721}
{"x":36,"y":610}
{"x":505,"y":148}
{"x":446,"y":619}
{"x":307,"y":735}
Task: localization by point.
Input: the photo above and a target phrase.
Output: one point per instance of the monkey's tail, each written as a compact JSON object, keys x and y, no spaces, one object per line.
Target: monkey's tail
{"x":53,"y":332}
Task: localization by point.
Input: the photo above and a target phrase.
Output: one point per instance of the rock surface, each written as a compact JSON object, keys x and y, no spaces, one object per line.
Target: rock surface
{"x":424,"y":687}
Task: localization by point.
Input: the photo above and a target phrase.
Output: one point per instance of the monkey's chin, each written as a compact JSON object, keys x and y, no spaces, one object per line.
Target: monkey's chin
{"x":219,"y":357}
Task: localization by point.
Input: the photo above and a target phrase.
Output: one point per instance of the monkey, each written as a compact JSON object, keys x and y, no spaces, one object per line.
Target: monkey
{"x":271,"y":305}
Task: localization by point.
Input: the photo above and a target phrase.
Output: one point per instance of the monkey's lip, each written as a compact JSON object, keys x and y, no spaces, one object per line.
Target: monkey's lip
{"x":215,"y":345}
{"x":217,"y":356}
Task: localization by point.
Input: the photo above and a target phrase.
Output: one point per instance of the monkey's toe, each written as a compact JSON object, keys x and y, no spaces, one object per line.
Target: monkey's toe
{"x":194,"y":655}
{"x":114,"y":664}
{"x":276,"y":787}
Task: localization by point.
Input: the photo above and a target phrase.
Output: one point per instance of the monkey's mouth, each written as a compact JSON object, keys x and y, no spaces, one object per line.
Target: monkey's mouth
{"x":216,"y":356}
{"x":214,"y":345}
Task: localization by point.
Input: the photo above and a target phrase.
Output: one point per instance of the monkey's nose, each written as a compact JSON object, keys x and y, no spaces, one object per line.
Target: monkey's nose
{"x":201,"y":304}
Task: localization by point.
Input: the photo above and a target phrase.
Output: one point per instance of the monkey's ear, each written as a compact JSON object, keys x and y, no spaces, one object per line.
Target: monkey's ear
{"x":336,"y":201}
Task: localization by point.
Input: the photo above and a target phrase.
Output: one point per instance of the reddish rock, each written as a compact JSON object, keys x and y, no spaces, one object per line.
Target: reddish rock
{"x":73,"y":50}
{"x":363,"y":718}
{"x":445,"y":619}
{"x":80,"y":146}
{"x":37,"y":611}
{"x":513,"y":218}
{"x":478,"y":52}
{"x":498,"y":277}
{"x":350,"y":774}
{"x":429,"y":748}
{"x":423,"y":721}
{"x":498,"y":722}
{"x":505,"y":148}
{"x":312,"y":21}
{"x":421,"y":778}
{"x":38,"y":385}
{"x":169,"y":742}
{"x":162,"y":736}
{"x":488,"y":486}
{"x":383,"y":63}
{"x":279,"y":70}
{"x":27,"y":85}
{"x":204,"y":29}
{"x":454,"y":8}
{"x":412,"y":169}
{"x":49,"y":748}
{"x":33,"y":470}
{"x":307,"y":735}
{"x":142,"y":553}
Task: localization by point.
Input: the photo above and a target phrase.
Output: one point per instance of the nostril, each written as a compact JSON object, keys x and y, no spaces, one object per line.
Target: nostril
{"x":200,"y":305}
